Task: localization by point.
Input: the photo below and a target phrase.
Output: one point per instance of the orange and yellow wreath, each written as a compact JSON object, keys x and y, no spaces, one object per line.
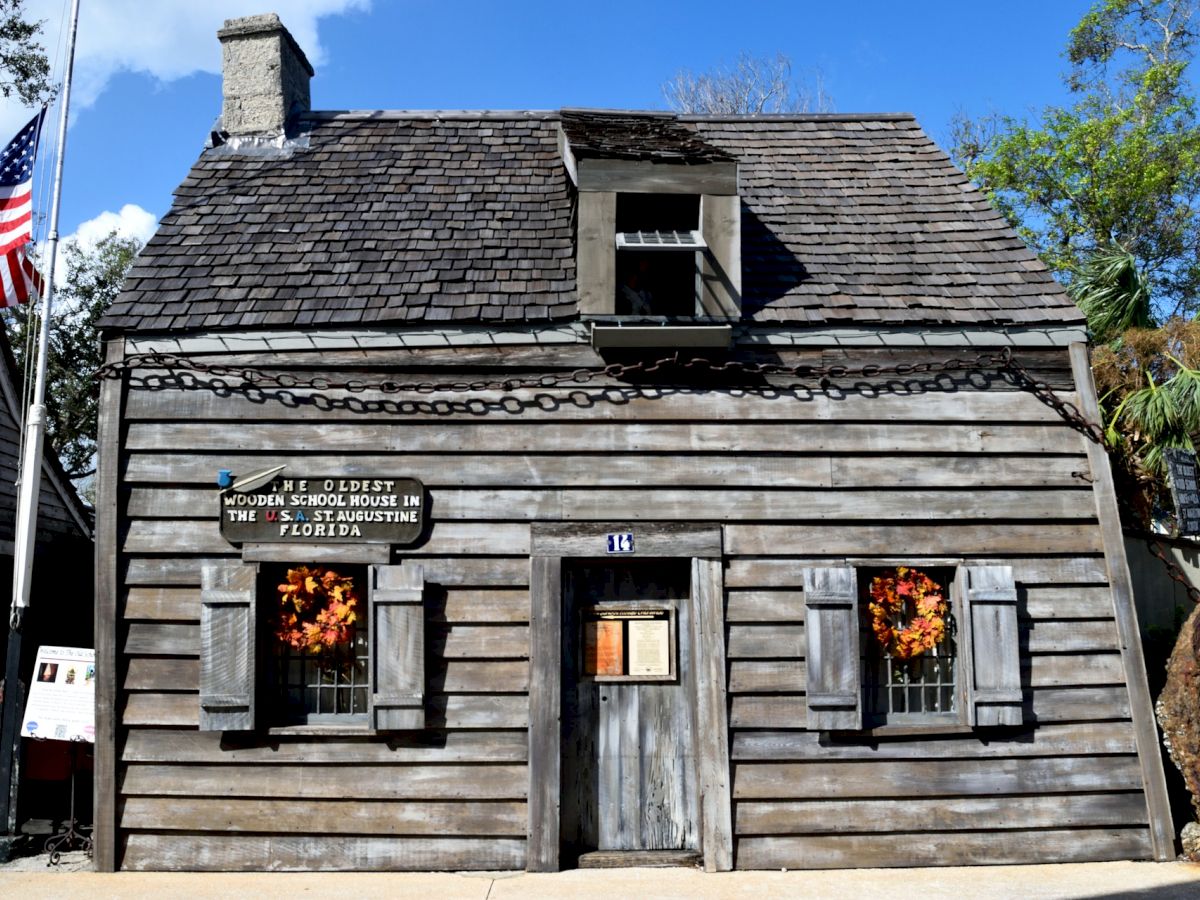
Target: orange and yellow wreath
{"x":908,"y":612}
{"x":317,"y":609}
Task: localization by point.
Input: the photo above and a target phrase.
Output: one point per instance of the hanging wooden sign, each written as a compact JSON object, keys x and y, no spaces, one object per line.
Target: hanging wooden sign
{"x":273,"y":507}
{"x":1185,"y":489}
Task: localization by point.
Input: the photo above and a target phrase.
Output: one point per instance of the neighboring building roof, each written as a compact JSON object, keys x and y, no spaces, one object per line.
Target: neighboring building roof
{"x":468,"y":217}
{"x":60,"y":511}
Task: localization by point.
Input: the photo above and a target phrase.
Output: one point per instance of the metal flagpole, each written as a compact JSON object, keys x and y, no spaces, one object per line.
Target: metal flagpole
{"x":30,"y":484}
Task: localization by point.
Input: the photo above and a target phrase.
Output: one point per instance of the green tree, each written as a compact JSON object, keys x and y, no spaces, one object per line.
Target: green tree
{"x":24,"y":69}
{"x":92,"y":281}
{"x":1120,"y":166}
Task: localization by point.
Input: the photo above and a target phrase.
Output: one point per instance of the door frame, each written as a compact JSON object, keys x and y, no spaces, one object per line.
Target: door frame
{"x":550,"y":544}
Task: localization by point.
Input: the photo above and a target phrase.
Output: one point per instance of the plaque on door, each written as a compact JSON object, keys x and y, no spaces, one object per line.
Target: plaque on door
{"x":628,"y":643}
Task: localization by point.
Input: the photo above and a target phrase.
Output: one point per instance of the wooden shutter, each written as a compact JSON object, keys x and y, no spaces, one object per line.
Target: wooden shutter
{"x":991,"y":664}
{"x":397,"y":647}
{"x":832,"y":658}
{"x":227,"y":647}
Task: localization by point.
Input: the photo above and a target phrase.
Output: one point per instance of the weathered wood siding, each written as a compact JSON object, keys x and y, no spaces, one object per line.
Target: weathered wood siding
{"x":925,"y":467}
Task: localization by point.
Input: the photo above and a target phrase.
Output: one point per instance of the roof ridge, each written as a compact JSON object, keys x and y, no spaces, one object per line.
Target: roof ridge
{"x":554,"y":114}
{"x":431,"y":114}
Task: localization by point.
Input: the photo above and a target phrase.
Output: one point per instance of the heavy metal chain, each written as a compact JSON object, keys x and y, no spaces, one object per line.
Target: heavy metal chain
{"x":228,"y":377}
{"x":823,"y":375}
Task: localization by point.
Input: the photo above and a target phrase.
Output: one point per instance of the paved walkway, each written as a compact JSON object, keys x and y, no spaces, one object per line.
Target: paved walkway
{"x":1159,"y":881}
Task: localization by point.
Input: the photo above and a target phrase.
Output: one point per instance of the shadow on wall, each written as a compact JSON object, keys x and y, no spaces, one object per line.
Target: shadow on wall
{"x":1155,"y":594}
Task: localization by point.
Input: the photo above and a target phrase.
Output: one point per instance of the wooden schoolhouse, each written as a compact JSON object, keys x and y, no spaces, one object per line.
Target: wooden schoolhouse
{"x":525,"y":490}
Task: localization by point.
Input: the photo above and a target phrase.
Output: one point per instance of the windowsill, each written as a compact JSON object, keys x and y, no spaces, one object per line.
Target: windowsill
{"x":898,"y":730}
{"x":661,"y":335}
{"x":347,"y":730}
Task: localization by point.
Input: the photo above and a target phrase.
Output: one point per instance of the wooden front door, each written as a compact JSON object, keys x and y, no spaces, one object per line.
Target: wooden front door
{"x":628,"y":762}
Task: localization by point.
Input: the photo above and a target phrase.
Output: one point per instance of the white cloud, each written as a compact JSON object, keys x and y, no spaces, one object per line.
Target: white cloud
{"x":166,"y":39}
{"x":130,"y":221}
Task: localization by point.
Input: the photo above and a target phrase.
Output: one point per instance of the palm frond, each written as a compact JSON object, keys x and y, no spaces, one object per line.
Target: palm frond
{"x":1112,"y":293}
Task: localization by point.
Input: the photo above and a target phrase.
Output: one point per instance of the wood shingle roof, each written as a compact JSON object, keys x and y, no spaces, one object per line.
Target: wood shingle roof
{"x":417,"y":217}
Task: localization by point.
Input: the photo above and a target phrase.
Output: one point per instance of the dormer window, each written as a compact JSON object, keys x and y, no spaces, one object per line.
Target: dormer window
{"x":658,"y":240}
{"x":658,"y":261}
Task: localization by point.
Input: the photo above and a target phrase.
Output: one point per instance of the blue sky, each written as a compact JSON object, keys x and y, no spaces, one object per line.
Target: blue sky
{"x":148,"y":87}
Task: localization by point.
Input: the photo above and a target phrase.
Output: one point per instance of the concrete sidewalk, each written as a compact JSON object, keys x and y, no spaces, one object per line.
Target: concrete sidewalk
{"x":1160,"y":881}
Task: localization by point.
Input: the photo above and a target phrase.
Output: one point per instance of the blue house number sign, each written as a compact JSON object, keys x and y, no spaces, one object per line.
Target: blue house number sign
{"x":620,"y":543}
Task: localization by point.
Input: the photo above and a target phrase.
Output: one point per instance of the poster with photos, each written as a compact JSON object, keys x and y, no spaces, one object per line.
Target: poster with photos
{"x":62,"y":697}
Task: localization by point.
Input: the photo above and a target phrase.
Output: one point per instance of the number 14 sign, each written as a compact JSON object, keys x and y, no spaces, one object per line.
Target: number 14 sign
{"x":620,"y":543}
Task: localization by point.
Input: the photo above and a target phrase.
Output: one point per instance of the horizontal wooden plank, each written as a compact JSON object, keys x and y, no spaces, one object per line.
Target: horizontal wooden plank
{"x":1074,"y":602}
{"x":610,"y":403}
{"x":765,"y":641}
{"x":502,"y":436}
{"x":170,"y":571}
{"x":522,"y":470}
{"x":764,"y":606}
{"x":161,"y":709}
{"x":946,"y":539}
{"x":149,"y":745}
{"x":171,"y":604}
{"x":476,"y":605}
{"x":772,"y":711}
{"x":556,"y":469}
{"x":756,"y":676}
{"x":166,"y":639}
{"x":954,"y":849}
{"x":326,"y":782}
{"x":760,"y":676}
{"x":480,"y":571}
{"x":1078,"y":704}
{"x":1053,"y":636}
{"x":652,"y":539}
{"x":306,"y":816}
{"x":153,"y":674}
{"x":944,"y":814}
{"x":441,"y":711}
{"x":1073,"y":669}
{"x":480,"y":676}
{"x":1044,"y":470}
{"x":203,"y":535}
{"x":467,"y":676}
{"x":1080,"y":739}
{"x":441,"y":571}
{"x":478,"y":641}
{"x":1075,"y":704}
{"x":801,"y":505}
{"x":1068,"y":602}
{"x":254,"y":853}
{"x":788,"y":573}
{"x":477,"y":711}
{"x":934,"y":778}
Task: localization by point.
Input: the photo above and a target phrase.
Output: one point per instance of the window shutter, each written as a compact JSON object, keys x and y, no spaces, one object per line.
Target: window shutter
{"x":397,"y":648}
{"x":832,"y":658}
{"x":993,"y":668}
{"x":227,"y":647}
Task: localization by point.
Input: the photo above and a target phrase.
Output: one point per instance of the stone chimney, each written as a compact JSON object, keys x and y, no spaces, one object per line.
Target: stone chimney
{"x":265,"y":76}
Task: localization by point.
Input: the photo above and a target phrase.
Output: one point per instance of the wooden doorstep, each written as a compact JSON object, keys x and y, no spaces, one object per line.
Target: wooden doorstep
{"x":623,"y":859}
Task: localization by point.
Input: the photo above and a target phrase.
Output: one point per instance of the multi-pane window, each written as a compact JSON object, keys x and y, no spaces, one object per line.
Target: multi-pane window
{"x":318,"y":644}
{"x":909,"y":638}
{"x":658,"y":244}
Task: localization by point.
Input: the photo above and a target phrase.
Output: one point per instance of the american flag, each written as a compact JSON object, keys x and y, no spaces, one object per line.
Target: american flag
{"x":18,"y":278}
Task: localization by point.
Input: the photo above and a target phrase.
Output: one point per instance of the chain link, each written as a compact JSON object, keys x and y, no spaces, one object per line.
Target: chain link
{"x":1003,"y":362}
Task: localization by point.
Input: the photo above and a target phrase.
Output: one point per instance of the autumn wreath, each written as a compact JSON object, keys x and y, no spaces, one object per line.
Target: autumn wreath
{"x":317,"y":609}
{"x":908,"y":612}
